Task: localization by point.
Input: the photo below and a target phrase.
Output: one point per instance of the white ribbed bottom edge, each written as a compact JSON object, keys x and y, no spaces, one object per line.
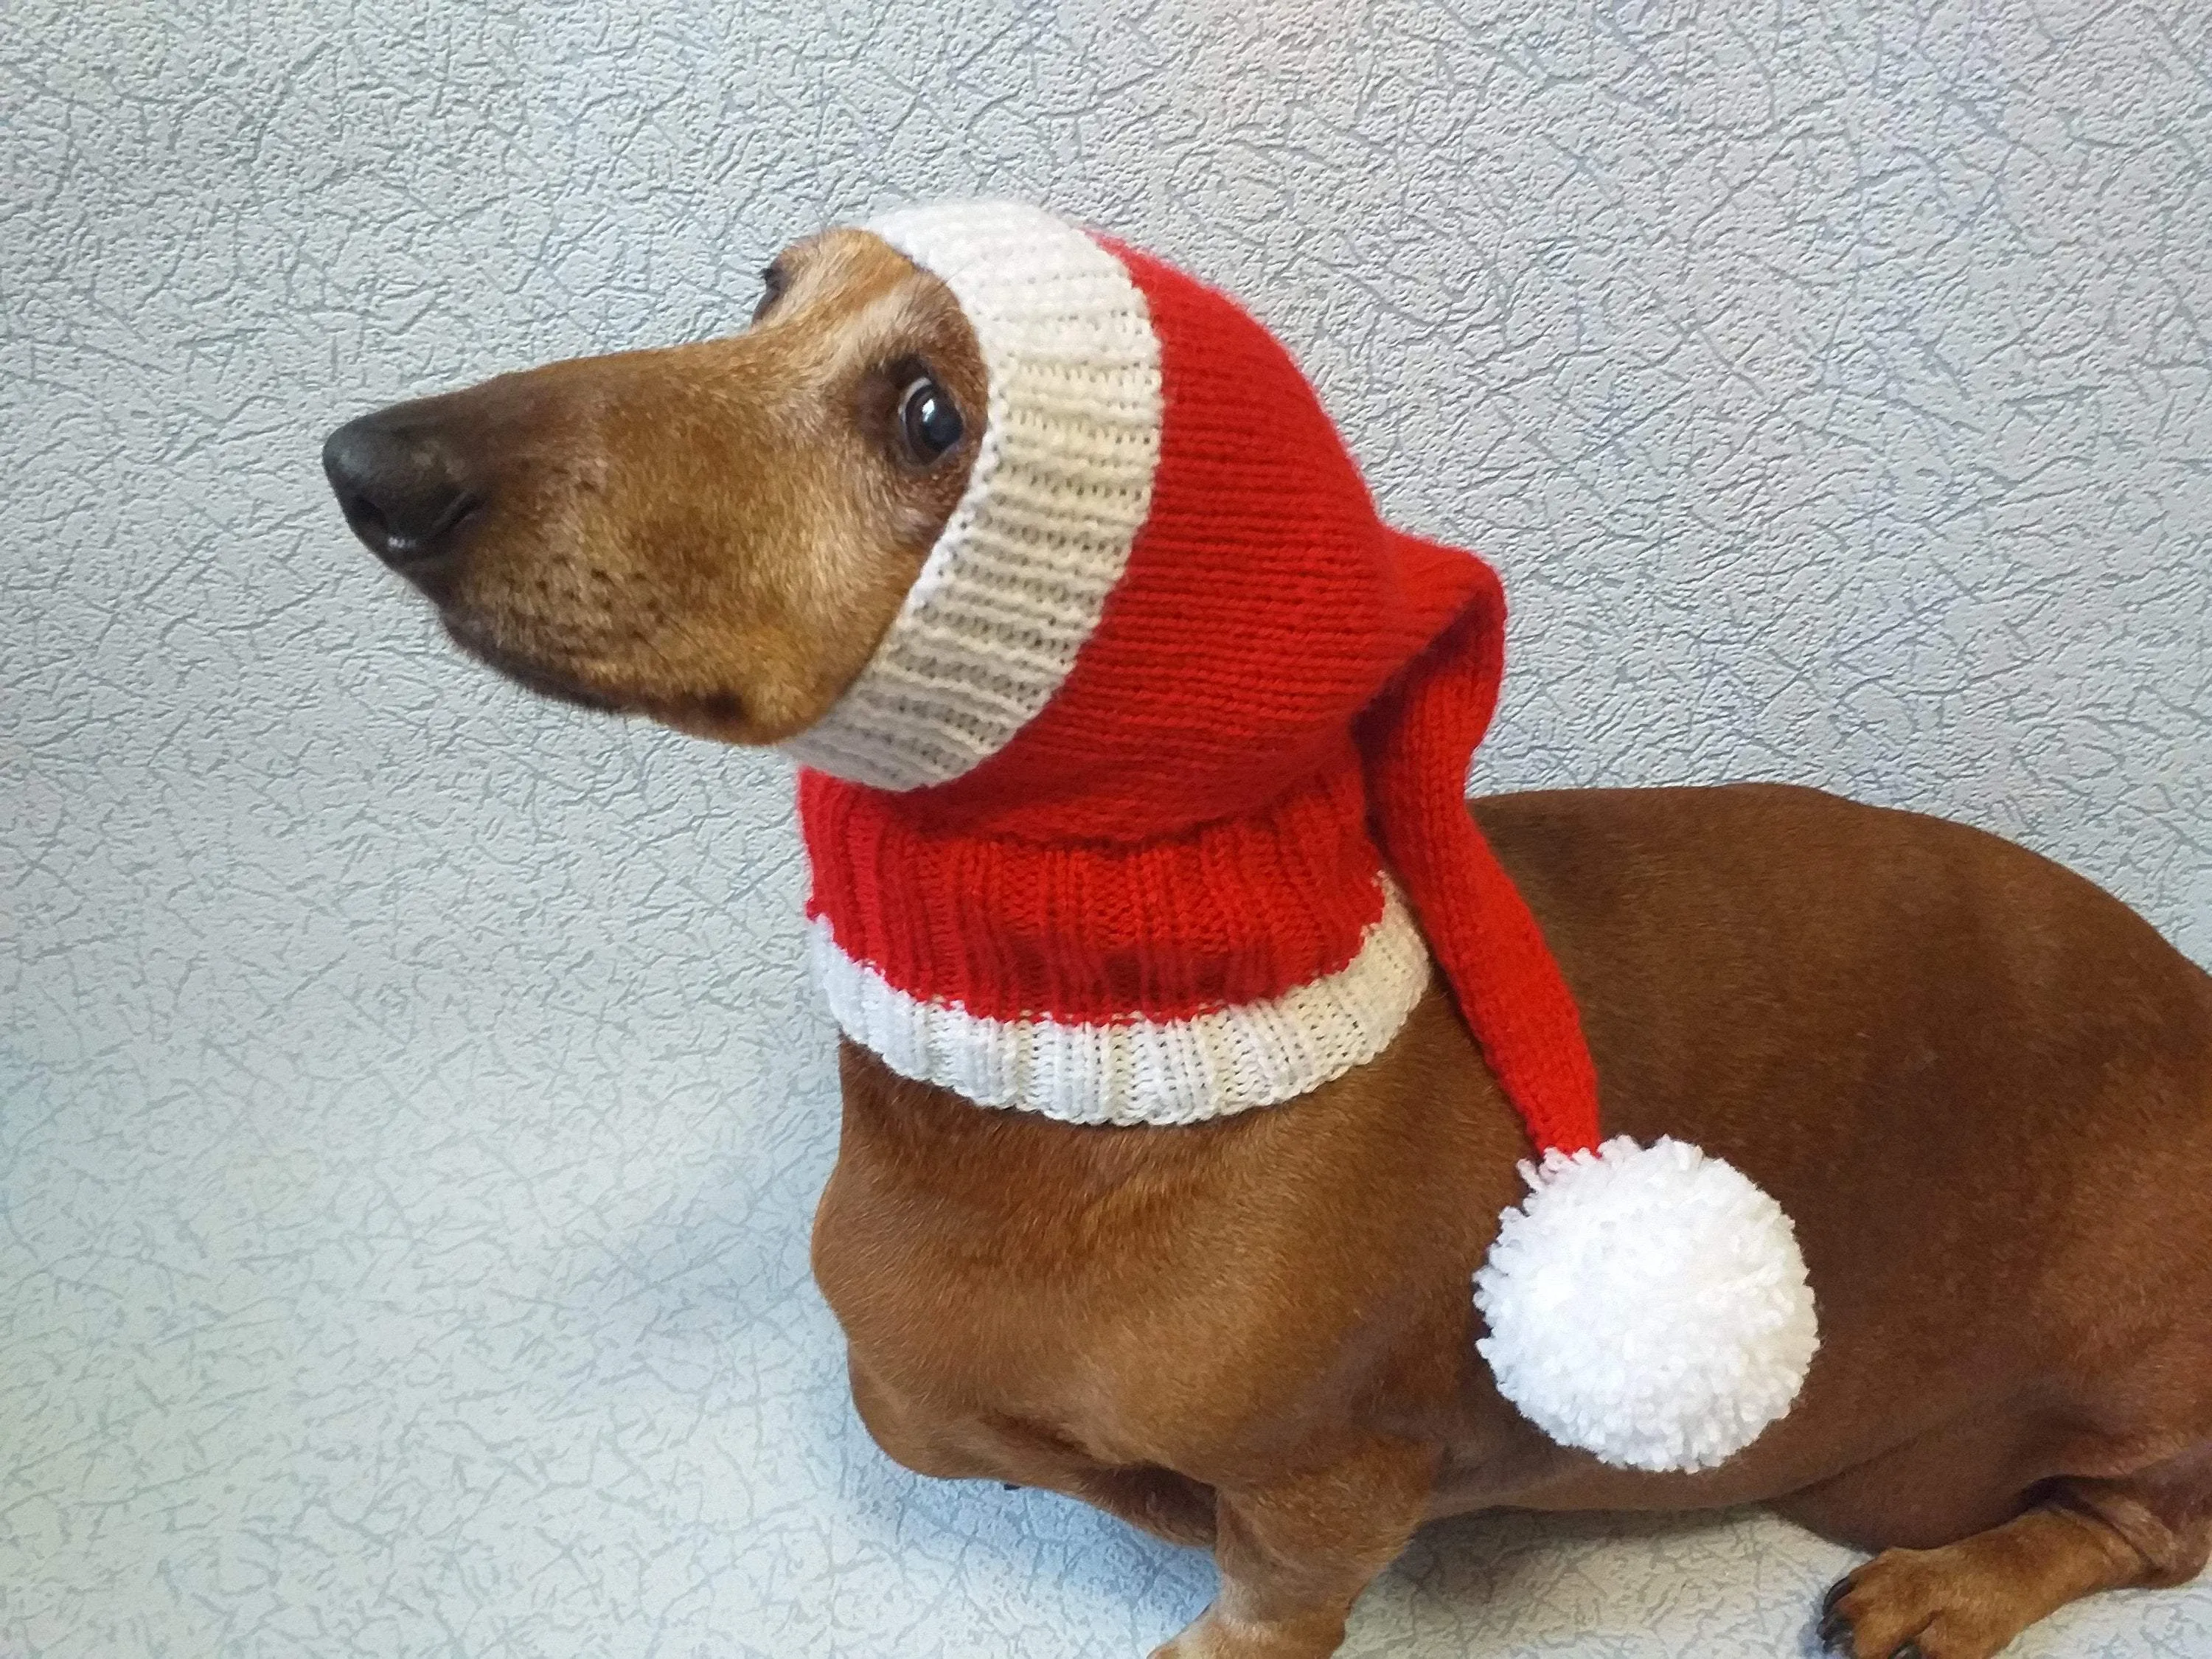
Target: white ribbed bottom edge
{"x":1180,"y":1071}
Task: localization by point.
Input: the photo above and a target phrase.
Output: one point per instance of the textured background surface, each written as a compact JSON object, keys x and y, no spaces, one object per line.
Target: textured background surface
{"x":411,"y":1105}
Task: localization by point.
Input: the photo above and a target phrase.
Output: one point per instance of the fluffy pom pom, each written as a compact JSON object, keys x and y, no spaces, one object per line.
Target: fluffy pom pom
{"x":1647,"y":1304}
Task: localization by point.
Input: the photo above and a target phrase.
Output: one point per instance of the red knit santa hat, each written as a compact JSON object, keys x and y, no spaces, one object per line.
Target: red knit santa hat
{"x":1145,"y":806}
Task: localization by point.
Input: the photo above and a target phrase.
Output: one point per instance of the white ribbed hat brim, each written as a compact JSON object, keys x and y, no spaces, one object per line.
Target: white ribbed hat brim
{"x":1060,"y":485}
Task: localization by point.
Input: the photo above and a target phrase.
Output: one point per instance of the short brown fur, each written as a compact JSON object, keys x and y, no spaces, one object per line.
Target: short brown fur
{"x":1982,"y":1088}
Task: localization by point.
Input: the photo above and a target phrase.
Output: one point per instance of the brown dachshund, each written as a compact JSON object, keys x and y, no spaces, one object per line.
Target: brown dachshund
{"x":1981,"y":1087}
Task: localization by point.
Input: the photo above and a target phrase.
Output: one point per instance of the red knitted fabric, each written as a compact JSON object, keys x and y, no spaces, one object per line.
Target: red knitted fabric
{"x":1233,"y":911}
{"x":1261,"y":610}
{"x":1185,"y":826}
{"x":1418,"y":738}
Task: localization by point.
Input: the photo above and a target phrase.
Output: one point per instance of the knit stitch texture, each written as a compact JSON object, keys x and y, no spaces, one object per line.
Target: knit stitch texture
{"x":1061,"y":482}
{"x":1095,"y":833}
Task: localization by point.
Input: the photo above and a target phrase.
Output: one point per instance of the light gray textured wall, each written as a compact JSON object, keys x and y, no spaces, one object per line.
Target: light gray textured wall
{"x":411,"y":1102}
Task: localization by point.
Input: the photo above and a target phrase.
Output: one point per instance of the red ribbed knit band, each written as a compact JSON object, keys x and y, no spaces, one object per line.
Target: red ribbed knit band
{"x":1232,"y":911}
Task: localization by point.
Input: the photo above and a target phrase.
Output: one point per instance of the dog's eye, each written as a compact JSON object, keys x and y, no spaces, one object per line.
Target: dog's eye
{"x":929,"y":420}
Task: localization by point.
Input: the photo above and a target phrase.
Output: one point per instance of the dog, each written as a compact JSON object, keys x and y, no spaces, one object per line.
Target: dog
{"x":1981,"y":1087}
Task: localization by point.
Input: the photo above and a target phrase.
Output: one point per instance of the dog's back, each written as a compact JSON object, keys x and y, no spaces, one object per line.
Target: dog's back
{"x":1980,"y":1086}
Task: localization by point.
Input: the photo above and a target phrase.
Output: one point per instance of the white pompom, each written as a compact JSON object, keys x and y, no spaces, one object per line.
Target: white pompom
{"x":1647,"y":1304}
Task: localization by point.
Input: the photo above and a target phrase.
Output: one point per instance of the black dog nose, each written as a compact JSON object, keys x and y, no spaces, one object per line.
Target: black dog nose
{"x":400,"y":489}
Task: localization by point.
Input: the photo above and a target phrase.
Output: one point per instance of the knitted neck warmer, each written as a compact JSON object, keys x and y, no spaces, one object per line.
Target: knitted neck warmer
{"x":1149,"y":808}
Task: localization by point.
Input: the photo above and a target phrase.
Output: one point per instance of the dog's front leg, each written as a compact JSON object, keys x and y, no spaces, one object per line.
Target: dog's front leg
{"x":1295,"y":1553}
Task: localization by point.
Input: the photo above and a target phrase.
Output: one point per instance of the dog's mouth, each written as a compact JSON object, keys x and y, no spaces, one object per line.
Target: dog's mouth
{"x":529,"y":674}
{"x":719,"y":714}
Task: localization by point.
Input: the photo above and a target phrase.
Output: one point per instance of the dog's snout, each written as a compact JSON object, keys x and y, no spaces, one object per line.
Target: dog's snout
{"x":401,"y":488}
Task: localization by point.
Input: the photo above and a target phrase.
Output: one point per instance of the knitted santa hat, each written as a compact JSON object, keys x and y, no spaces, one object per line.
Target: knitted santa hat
{"x":1150,"y":808}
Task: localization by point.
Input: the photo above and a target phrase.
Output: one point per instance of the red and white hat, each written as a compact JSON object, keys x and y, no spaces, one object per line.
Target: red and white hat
{"x":1149,"y":808}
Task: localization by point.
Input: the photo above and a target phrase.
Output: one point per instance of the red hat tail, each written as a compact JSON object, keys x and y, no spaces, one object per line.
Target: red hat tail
{"x":1418,"y":739}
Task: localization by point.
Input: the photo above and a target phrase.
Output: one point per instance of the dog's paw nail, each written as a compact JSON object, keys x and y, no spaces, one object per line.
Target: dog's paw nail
{"x":1010,"y":1486}
{"x":1910,"y":1651}
{"x":1835,"y":1631}
{"x":1836,"y":1591}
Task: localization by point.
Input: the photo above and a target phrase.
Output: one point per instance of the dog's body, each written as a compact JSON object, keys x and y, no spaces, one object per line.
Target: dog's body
{"x":1939,"y":1052}
{"x":1982,"y":1088}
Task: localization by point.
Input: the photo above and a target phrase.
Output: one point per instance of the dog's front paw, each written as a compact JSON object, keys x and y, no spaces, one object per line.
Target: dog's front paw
{"x":1213,"y":1637}
{"x":1907,"y":1604}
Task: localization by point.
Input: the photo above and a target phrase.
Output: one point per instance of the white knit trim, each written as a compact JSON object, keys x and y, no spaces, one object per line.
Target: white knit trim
{"x":1061,"y":484}
{"x":1138,"y":1070}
